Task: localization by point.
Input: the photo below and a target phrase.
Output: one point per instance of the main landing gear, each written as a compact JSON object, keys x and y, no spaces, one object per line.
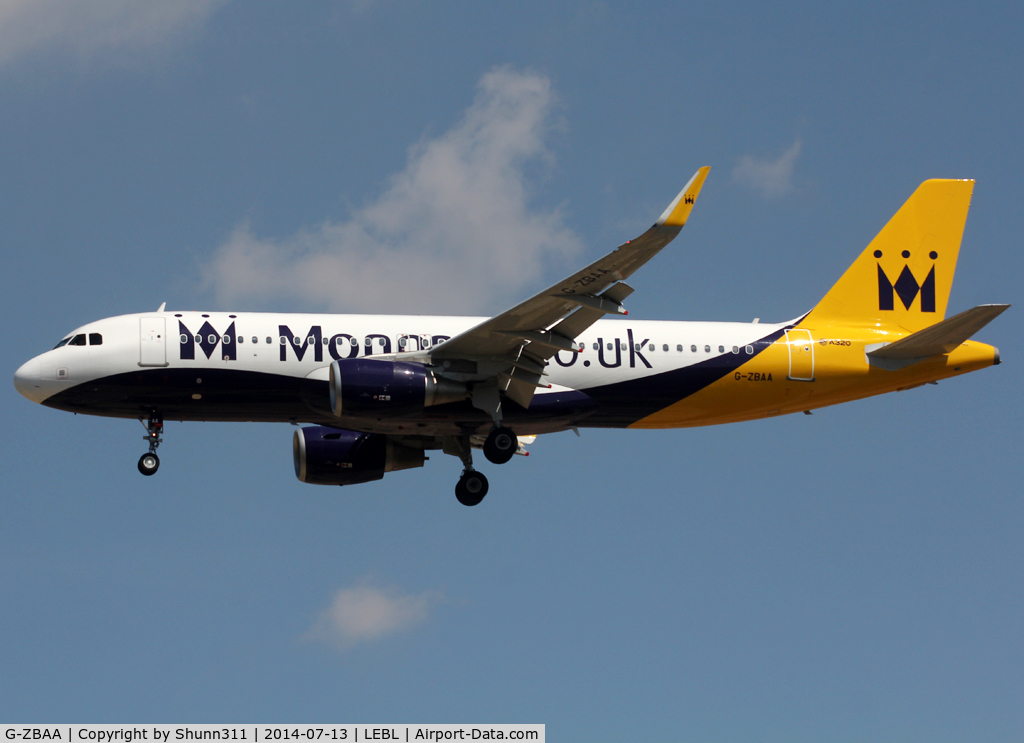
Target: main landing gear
{"x":149,"y":462}
{"x":471,"y":488}
{"x":472,"y":485}
{"x":499,"y":447}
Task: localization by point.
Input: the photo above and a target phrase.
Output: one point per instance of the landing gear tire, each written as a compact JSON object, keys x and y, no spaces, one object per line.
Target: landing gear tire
{"x":471,"y":488}
{"x":501,"y":445}
{"x":149,"y":463}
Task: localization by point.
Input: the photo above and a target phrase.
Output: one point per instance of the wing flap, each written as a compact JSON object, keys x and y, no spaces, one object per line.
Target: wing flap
{"x":520,"y":386}
{"x":587,"y":315}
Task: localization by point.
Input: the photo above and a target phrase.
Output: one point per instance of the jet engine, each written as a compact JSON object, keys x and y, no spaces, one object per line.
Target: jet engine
{"x":333,"y":456}
{"x":376,"y":388}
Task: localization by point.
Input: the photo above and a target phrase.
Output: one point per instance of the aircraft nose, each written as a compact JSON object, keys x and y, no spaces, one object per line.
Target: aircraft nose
{"x":27,"y":381}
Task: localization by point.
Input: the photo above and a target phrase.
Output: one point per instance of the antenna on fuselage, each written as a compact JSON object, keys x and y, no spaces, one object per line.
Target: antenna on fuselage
{"x":161,"y":307}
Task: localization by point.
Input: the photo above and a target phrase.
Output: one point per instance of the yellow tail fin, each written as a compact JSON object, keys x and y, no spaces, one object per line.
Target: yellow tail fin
{"x":904,"y":276}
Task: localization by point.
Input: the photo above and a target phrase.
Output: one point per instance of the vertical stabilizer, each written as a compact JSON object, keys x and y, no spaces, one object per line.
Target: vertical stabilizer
{"x":904,"y":276}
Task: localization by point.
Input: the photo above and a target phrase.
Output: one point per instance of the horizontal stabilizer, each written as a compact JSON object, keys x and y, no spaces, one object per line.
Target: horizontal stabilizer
{"x":942,"y":337}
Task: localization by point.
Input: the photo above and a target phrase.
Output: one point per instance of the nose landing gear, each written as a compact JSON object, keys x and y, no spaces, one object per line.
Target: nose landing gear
{"x":149,"y":462}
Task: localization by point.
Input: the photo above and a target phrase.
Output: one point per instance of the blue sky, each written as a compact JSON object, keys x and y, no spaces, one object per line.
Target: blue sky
{"x":853,"y":575}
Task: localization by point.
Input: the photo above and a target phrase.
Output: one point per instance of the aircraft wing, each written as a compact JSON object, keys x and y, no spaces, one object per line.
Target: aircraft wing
{"x":520,"y":341}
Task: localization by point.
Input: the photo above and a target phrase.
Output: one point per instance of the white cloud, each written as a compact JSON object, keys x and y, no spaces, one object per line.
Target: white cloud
{"x":453,"y":232}
{"x":365,"y":614}
{"x":773,"y":178}
{"x":87,"y":27}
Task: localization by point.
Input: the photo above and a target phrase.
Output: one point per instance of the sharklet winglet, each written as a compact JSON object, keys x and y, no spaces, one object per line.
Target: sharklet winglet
{"x":679,"y":210}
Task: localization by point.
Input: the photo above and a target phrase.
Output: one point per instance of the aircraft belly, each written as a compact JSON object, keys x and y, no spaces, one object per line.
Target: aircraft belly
{"x":189,"y":394}
{"x":236,"y":395}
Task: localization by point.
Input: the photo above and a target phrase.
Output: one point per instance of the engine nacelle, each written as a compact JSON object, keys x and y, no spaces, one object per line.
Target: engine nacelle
{"x":333,"y":456}
{"x":378,"y":388}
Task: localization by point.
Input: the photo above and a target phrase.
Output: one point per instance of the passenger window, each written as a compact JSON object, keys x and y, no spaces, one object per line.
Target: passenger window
{"x":257,"y":340}
{"x":750,"y":350}
{"x":664,"y":347}
{"x":199,"y":339}
{"x":721,"y":349}
{"x":623,"y":347}
{"x":78,"y":340}
{"x":679,"y":347}
{"x":651,"y":347}
{"x":595,"y":346}
{"x":693,"y":349}
{"x":269,"y":339}
{"x":707,"y":349}
{"x":227,"y":340}
{"x":609,"y":346}
{"x":241,"y":339}
{"x":284,"y":341}
{"x":212,"y":339}
{"x":95,"y":339}
{"x":735,"y":349}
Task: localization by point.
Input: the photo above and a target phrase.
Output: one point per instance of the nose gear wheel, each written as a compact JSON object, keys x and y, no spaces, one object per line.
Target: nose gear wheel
{"x":149,"y":463}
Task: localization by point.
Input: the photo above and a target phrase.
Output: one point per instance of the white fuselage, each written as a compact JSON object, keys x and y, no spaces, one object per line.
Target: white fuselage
{"x":270,"y":346}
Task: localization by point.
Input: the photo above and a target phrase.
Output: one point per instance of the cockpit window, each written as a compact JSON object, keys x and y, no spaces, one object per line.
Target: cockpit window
{"x":63,"y":342}
{"x":78,"y":340}
{"x":95,"y":339}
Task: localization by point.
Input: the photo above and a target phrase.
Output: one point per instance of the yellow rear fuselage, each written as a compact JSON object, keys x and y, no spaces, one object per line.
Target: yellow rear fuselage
{"x":809,"y":368}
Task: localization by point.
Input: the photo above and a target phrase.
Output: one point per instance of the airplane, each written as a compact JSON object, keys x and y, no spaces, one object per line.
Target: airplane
{"x":373,"y":394}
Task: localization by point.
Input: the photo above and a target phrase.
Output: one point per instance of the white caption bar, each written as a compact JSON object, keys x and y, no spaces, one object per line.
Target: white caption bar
{"x":266,"y":733}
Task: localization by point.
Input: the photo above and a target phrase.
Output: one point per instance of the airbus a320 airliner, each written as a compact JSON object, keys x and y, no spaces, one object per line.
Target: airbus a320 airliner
{"x":381,"y":391}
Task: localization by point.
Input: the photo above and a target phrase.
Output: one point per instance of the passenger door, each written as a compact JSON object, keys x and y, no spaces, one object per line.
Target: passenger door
{"x":152,"y":341}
